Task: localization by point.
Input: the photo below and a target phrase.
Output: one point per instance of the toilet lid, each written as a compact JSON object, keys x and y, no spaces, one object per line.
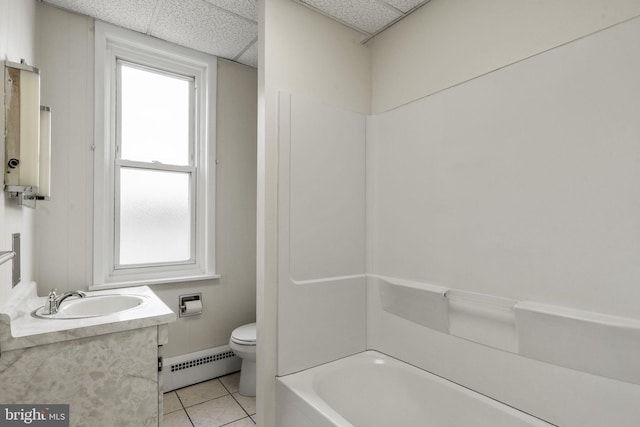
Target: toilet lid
{"x":245,"y":334}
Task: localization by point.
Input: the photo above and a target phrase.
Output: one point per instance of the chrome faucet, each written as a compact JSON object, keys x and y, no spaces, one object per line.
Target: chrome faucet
{"x":54,"y":300}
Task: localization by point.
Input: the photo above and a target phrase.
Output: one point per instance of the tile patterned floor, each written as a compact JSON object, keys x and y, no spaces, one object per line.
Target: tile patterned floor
{"x":211,"y":403}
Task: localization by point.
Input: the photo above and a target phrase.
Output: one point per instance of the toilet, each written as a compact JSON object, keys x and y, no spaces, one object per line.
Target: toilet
{"x":243,"y":345}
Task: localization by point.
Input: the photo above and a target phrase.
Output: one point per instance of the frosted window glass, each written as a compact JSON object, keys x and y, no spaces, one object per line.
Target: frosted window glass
{"x":155,"y":220}
{"x":154,"y":117}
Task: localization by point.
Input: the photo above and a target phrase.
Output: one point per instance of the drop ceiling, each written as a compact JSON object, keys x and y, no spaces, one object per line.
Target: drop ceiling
{"x":229,"y":28}
{"x":367,"y":16}
{"x":225,"y":28}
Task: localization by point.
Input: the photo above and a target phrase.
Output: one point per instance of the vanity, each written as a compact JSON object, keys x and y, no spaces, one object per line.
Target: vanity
{"x":105,"y":367}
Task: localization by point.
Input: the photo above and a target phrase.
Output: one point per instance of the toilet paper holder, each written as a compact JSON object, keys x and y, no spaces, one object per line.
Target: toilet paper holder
{"x":190,"y":304}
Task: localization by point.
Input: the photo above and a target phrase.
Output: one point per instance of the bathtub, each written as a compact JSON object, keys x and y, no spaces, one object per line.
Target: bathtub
{"x":371,"y":389}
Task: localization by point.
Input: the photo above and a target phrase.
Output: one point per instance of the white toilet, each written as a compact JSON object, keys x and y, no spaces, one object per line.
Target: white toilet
{"x":243,"y":345}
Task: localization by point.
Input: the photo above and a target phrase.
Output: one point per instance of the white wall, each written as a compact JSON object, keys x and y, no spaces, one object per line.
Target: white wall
{"x":17,"y":41}
{"x":321,"y":274}
{"x":450,"y":41}
{"x":231,"y":300}
{"x":64,"y":224}
{"x":517,"y":184}
{"x":303,"y":53}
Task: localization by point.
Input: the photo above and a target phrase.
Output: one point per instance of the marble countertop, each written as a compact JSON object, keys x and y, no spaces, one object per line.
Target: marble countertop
{"x":19,"y":329}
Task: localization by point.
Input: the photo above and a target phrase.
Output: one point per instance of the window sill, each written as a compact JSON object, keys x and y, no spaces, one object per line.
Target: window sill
{"x":150,"y":282}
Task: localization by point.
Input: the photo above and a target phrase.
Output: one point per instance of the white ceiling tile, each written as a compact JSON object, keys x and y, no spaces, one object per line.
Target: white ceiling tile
{"x":246,"y":8}
{"x":199,"y":25}
{"x":367,"y":15}
{"x":405,"y":5}
{"x":250,"y":56}
{"x":133,"y":14}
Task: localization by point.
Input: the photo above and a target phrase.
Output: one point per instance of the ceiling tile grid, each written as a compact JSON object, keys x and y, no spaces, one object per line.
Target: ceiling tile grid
{"x":201,"y":26}
{"x":244,"y":8}
{"x":225,"y":28}
{"x":405,"y":5}
{"x":132,"y":14}
{"x":366,"y":15}
{"x":250,"y":56}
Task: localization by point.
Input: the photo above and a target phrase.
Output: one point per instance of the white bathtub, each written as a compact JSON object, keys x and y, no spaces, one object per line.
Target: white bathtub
{"x":371,"y":389}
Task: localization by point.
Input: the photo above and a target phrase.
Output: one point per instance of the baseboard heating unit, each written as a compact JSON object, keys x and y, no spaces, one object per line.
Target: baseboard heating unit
{"x":192,"y":368}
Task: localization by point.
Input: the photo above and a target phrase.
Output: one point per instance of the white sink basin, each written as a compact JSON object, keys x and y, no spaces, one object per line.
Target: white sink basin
{"x":99,"y":305}
{"x":93,"y":306}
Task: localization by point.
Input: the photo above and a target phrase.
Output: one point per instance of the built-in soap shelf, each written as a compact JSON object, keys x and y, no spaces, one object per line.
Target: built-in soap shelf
{"x":483,"y":318}
{"x":420,"y":303}
{"x":591,"y":342}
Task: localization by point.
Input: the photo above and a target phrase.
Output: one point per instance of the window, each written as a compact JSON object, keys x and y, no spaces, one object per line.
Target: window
{"x":154,"y":161}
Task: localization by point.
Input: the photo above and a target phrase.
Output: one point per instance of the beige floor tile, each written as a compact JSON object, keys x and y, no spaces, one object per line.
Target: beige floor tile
{"x":231,"y":382}
{"x":176,"y":419}
{"x":245,"y":422}
{"x":170,"y":402}
{"x":247,"y":403}
{"x":215,"y":413}
{"x":201,"y":392}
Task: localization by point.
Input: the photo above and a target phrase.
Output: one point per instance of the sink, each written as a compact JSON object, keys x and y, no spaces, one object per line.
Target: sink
{"x":93,"y":306}
{"x":99,"y":305}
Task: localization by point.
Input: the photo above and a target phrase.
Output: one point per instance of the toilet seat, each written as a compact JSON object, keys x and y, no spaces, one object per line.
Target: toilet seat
{"x":244,"y":335}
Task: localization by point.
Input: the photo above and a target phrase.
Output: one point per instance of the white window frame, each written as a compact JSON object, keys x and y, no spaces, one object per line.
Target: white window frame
{"x":111,"y":45}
